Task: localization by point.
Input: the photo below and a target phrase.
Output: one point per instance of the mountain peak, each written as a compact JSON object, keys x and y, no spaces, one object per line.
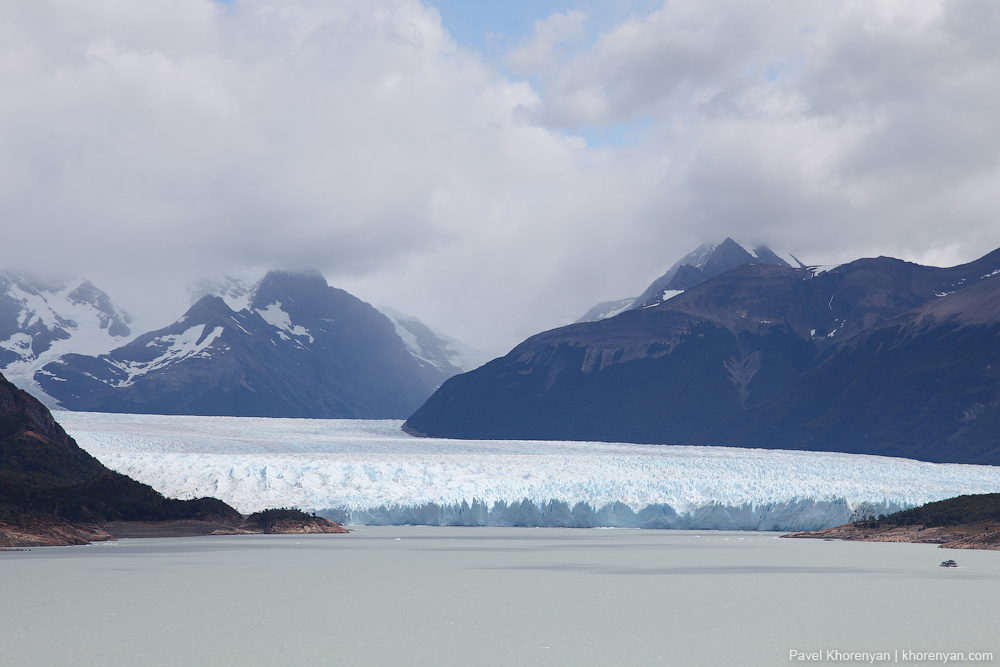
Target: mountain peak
{"x":292,"y":286}
{"x":704,"y":262}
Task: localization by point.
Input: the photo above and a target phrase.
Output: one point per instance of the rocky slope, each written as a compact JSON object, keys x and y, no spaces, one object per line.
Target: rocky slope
{"x":299,"y":348}
{"x":54,"y":493}
{"x":878,"y":356}
{"x":54,"y":490}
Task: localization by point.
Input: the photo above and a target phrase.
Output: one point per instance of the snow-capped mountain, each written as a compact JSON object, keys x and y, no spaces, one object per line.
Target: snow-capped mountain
{"x":427,"y":345}
{"x":40,"y":320}
{"x":299,"y":348}
{"x":704,"y":262}
{"x":431,"y":346}
{"x":876,"y":356}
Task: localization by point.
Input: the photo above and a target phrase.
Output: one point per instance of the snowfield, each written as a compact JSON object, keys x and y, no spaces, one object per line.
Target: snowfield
{"x":370,"y":472}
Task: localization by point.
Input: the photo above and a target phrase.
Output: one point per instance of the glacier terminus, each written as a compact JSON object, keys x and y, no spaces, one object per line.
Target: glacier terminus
{"x":369,"y":472}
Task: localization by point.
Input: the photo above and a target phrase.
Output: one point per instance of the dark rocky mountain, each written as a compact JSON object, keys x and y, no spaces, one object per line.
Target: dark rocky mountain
{"x":878,"y":356}
{"x":704,"y":262}
{"x":924,"y":384}
{"x":49,"y":485}
{"x":426,"y":345}
{"x":299,"y":349}
{"x":43,"y":319}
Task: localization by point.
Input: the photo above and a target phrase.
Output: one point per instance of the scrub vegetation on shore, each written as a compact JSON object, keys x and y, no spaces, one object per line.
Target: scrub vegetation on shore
{"x":963,"y":522}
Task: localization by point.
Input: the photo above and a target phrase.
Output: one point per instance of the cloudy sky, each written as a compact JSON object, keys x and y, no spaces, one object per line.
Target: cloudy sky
{"x":494,"y":168}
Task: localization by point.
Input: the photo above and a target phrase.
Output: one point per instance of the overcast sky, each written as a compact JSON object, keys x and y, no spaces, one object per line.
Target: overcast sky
{"x":494,"y":172}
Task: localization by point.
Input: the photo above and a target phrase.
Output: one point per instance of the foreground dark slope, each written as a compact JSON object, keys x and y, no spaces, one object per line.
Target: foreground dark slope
{"x":301,"y":349}
{"x":762,"y":356}
{"x":47,"y":480}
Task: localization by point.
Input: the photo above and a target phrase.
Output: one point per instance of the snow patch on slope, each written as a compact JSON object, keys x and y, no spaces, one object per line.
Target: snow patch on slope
{"x":368,"y":471}
{"x":670,"y":294}
{"x":279,"y":319}
{"x":192,"y":342}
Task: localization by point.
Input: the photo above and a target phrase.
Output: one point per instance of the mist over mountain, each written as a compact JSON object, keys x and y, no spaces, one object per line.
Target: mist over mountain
{"x":877,"y":356}
{"x":427,"y":345}
{"x":299,"y":348}
{"x":434,"y":347}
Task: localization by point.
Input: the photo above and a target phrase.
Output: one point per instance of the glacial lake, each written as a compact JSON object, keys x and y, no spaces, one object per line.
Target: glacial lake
{"x":422,"y":595}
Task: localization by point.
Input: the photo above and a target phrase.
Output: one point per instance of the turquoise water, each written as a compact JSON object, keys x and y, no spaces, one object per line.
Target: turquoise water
{"x":490,"y":596}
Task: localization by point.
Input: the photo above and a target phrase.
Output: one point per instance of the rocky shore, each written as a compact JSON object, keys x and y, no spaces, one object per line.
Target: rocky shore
{"x":947,"y":537}
{"x":965,"y":522}
{"x":51,"y":534}
{"x":273,"y":522}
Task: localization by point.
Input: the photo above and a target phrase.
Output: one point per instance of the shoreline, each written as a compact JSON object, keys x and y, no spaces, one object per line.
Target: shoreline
{"x":55,"y":534}
{"x":981,"y":536}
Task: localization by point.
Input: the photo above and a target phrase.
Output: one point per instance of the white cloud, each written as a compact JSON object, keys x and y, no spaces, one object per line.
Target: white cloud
{"x":147,"y":144}
{"x":538,"y":51}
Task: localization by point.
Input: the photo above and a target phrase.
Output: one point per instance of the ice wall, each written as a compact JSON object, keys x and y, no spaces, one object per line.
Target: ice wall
{"x":793,"y":515}
{"x":369,"y":472}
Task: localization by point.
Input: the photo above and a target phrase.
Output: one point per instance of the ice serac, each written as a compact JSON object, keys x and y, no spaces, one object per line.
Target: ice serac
{"x":878,"y":356}
{"x":299,"y":348}
{"x":369,"y":472}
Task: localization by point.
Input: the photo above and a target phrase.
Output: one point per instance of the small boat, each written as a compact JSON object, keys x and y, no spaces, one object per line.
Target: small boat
{"x":949,"y":563}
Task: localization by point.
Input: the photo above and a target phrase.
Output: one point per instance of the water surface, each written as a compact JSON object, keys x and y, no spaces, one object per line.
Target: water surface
{"x":490,"y":596}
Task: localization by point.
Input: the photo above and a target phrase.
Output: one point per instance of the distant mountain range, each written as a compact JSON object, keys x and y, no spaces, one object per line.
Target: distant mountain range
{"x":878,"y":356}
{"x":427,"y":345}
{"x":285,"y":345}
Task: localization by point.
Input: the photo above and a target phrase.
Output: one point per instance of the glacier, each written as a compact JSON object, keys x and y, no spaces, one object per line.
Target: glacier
{"x":370,"y":472}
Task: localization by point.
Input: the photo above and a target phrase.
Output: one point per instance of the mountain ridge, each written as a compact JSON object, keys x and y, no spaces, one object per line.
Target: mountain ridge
{"x":740,"y":358}
{"x":300,"y":349}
